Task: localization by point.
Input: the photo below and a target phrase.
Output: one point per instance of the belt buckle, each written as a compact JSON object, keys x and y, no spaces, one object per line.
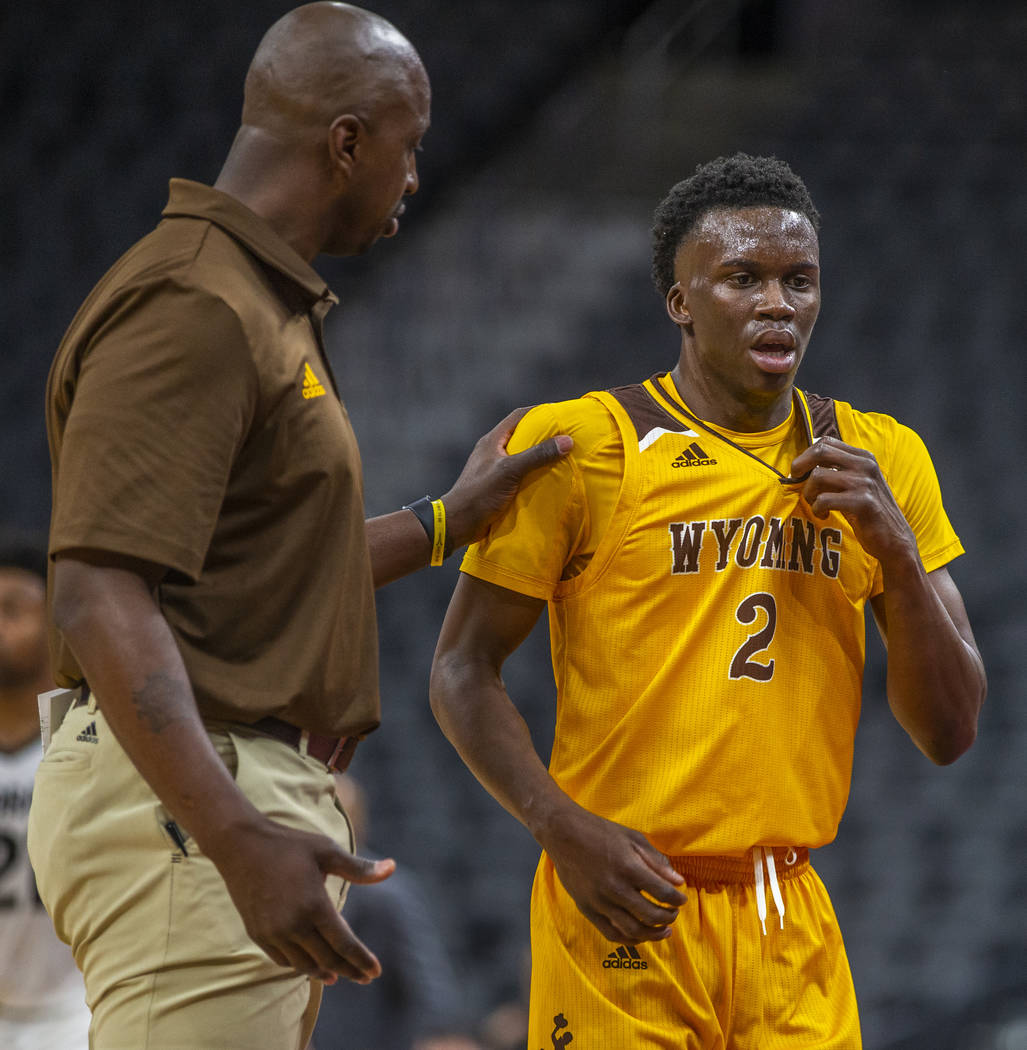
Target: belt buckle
{"x":340,"y":745}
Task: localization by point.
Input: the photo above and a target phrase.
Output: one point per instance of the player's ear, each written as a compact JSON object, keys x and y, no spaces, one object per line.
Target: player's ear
{"x":676,"y":307}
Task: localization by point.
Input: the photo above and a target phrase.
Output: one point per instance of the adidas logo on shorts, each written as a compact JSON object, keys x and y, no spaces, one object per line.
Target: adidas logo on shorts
{"x":625,"y":959}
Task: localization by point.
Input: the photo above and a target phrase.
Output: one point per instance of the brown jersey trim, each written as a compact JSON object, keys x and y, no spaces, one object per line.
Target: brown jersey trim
{"x":817,"y":416}
{"x":823,"y":414}
{"x":645,"y":412}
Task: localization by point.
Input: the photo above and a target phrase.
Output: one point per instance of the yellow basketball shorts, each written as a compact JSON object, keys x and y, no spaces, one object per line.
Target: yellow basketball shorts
{"x":167,"y":962}
{"x":717,"y":983}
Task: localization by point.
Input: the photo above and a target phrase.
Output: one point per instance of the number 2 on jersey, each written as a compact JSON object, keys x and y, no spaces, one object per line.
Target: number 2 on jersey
{"x":743,"y":666}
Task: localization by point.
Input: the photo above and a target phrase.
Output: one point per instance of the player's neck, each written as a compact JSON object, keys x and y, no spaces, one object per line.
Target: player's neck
{"x":722,"y":408}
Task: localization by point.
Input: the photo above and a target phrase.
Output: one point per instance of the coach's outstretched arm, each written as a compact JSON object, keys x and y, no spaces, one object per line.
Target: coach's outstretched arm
{"x":936,"y":678}
{"x":605,"y":867}
{"x":489,"y":480}
{"x":104,"y":607}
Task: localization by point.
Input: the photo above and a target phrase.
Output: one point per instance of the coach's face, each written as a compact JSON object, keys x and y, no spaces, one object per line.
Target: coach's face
{"x":746,"y":299}
{"x":378,"y":154}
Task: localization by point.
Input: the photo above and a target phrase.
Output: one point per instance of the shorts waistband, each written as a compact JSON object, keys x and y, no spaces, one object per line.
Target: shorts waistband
{"x":790,"y":861}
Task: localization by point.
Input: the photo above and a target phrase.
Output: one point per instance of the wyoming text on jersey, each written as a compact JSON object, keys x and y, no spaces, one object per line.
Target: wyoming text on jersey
{"x":796,"y":546}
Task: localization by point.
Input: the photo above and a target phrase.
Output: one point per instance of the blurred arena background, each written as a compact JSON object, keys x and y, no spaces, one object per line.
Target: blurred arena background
{"x":521,"y":274}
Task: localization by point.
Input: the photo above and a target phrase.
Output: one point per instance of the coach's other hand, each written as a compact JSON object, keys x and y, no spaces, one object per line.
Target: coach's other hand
{"x":276,"y":877}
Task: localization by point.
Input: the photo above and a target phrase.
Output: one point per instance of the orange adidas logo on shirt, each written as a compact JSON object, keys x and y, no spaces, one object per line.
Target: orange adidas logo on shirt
{"x":312,"y":386}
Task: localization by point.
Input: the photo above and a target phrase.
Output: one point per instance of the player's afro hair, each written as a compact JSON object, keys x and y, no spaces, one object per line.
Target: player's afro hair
{"x":739,"y":181}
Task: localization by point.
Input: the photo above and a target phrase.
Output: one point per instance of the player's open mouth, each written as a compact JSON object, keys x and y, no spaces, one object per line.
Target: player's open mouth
{"x":775,"y":352}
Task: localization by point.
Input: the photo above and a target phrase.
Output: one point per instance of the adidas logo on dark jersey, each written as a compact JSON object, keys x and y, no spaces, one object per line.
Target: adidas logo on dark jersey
{"x":694,"y":456}
{"x":625,"y":959}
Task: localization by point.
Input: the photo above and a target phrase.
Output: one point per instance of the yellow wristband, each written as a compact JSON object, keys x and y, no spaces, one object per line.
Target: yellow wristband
{"x":438,"y":547}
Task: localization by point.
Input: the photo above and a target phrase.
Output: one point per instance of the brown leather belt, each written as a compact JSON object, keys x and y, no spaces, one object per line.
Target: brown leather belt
{"x":334,"y":751}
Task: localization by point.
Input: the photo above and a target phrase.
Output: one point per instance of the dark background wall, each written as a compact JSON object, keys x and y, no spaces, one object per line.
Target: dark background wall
{"x":521,"y":274}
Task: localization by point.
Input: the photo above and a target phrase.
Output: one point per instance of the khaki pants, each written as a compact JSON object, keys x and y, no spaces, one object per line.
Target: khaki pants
{"x":167,"y":962}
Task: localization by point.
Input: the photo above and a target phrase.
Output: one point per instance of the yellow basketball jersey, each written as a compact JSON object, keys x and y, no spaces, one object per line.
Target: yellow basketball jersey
{"x":707,"y":630}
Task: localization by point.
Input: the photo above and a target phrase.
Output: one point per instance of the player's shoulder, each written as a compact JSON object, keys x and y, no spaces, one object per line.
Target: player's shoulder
{"x":878,"y":432}
{"x":586,"y":419}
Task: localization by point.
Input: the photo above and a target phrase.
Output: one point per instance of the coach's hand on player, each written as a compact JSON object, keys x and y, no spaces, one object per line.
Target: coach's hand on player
{"x":275,"y":876}
{"x":849,"y":480}
{"x":490,"y":479}
{"x":611,"y":872}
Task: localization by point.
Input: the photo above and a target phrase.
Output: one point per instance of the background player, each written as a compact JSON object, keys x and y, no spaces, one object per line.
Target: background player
{"x":706,"y":554}
{"x":42,"y":1000}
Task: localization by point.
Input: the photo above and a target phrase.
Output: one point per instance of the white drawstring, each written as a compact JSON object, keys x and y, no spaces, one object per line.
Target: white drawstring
{"x":761,"y":894}
{"x":758,"y":856}
{"x":775,"y":889}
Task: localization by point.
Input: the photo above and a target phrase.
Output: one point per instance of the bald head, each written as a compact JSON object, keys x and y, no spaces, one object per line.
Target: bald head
{"x":336,"y":104}
{"x":323,"y":59}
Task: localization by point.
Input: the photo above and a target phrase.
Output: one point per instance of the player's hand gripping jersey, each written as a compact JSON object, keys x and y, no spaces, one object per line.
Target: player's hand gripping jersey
{"x":698,"y":695}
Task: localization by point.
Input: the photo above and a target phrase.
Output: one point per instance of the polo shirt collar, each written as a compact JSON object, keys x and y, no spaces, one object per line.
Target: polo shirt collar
{"x":195,"y":200}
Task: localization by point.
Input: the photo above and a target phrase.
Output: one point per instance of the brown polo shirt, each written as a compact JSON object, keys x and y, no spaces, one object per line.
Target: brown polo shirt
{"x":194,"y":422}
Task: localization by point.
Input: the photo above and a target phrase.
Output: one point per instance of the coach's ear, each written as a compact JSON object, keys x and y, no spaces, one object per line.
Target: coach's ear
{"x":676,"y":307}
{"x":345,"y":136}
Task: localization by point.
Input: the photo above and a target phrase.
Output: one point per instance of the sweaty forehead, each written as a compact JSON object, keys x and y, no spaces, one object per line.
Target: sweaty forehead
{"x":749,"y":232}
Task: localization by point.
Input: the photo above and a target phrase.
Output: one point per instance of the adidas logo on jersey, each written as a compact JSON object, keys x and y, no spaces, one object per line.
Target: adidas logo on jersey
{"x":88,"y":735}
{"x":312,"y":386}
{"x":694,"y":456}
{"x":625,"y":959}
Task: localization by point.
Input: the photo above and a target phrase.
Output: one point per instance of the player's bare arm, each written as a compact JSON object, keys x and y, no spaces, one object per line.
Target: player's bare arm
{"x":607,"y":869}
{"x":105,"y":608}
{"x":487,"y":483}
{"x":936,"y":680}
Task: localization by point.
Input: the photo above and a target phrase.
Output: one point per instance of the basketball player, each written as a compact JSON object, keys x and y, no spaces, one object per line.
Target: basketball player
{"x":42,"y":1001}
{"x":706,"y":553}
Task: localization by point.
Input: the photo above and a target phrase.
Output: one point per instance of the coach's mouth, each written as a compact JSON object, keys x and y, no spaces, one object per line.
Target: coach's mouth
{"x":392,"y":223}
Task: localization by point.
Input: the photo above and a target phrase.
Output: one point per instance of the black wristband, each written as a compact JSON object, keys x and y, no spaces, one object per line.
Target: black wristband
{"x":422,"y":508}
